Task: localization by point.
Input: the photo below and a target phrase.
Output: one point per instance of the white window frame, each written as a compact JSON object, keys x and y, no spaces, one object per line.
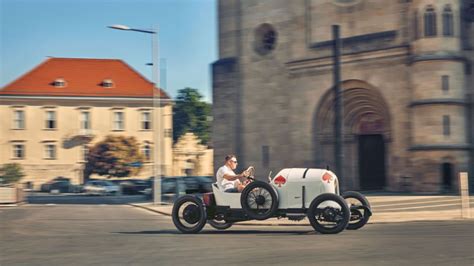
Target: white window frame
{"x":19,"y":122}
{"x":50,"y":151}
{"x":118,"y":120}
{"x":145,"y":121}
{"x":146,"y":151}
{"x":85,"y":120}
{"x":51,"y":121}
{"x":21,"y":150}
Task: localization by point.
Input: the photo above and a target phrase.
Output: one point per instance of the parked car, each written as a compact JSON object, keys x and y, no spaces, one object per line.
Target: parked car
{"x":101,"y":187}
{"x":134,"y":186}
{"x":198,"y":184}
{"x":60,"y":185}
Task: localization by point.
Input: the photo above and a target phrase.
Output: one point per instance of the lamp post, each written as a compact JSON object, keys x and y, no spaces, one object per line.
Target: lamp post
{"x":157,"y":166}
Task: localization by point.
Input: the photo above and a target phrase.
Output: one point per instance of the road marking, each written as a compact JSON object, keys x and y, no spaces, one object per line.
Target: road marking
{"x":50,"y":204}
{"x":420,"y":207}
{"x":415,"y":202}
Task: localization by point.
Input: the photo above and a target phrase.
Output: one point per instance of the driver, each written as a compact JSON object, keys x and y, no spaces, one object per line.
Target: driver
{"x":227,"y":180}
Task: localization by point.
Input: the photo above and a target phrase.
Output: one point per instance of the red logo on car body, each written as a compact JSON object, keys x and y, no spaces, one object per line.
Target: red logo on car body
{"x":327,"y":177}
{"x":280,"y":180}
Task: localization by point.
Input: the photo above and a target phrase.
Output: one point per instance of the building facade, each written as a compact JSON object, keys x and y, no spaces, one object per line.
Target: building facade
{"x":191,"y":158}
{"x":407,"y":88}
{"x":54,"y":113}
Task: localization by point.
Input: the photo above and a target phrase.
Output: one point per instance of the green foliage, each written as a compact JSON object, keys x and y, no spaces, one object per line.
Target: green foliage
{"x":11,"y":173}
{"x":191,"y":114}
{"x":112,"y":157}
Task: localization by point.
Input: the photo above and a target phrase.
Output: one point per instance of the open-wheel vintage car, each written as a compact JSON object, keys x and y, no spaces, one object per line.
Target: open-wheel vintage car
{"x":293,"y":193}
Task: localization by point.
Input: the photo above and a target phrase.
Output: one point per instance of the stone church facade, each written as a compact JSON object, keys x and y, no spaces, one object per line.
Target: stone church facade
{"x":407,"y":88}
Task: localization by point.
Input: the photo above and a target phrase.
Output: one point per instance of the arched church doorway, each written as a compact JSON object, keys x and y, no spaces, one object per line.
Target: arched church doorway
{"x":366,"y":135}
{"x":447,"y":173}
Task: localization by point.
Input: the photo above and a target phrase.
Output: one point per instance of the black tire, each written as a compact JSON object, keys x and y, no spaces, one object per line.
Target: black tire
{"x":219,"y":225}
{"x":359,"y":216}
{"x":190,"y":219}
{"x":259,"y":200}
{"x":329,"y":219}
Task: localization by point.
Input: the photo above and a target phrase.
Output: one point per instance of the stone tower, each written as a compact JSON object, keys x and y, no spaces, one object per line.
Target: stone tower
{"x":407,"y":88}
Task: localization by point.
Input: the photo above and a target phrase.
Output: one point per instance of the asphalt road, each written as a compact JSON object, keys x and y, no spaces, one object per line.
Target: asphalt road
{"x":102,"y":234}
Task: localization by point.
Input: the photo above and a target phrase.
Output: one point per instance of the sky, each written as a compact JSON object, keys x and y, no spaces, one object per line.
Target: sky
{"x":33,"y":30}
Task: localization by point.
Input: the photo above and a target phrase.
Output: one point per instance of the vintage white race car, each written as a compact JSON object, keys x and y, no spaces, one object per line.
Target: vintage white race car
{"x":294,"y":193}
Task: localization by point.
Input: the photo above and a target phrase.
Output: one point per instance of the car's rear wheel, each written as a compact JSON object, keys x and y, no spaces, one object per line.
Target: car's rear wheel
{"x":219,"y":225}
{"x":188,"y":214}
{"x":328,"y":213}
{"x":359,"y":207}
{"x":259,"y":200}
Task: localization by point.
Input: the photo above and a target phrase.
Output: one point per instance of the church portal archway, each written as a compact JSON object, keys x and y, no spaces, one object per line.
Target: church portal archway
{"x":366,"y":135}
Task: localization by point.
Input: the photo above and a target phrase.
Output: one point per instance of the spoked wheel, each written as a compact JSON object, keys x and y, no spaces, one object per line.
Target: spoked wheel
{"x":328,"y":213}
{"x":359,"y":207}
{"x":259,"y":200}
{"x":219,"y":225}
{"x":189,"y":215}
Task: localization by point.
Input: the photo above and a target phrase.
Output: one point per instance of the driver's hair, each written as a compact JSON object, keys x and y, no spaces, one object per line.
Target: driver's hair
{"x":229,"y":156}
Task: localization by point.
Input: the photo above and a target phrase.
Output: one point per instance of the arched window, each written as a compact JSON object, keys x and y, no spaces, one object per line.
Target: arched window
{"x":430,"y":22}
{"x":448,"y":25}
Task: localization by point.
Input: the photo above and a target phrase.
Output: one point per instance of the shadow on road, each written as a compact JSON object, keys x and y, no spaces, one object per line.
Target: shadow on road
{"x":227,"y":232}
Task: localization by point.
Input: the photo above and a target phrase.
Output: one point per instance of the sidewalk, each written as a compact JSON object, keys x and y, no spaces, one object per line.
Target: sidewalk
{"x":386,"y":209}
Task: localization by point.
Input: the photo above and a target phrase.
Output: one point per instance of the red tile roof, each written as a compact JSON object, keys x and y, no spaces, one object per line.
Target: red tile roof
{"x":83,"y":77}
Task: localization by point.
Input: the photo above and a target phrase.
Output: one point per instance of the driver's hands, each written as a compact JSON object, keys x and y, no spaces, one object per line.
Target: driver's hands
{"x":245,"y":173}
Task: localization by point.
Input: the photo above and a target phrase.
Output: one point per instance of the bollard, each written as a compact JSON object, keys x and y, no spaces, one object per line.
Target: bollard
{"x":464,"y":189}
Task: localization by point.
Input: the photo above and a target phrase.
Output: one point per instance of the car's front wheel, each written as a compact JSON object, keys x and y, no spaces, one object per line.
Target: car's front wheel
{"x":189,"y":215}
{"x":328,"y":213}
{"x":359,"y":207}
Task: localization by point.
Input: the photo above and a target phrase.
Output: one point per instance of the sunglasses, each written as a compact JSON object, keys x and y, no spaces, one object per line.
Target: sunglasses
{"x":233,"y":161}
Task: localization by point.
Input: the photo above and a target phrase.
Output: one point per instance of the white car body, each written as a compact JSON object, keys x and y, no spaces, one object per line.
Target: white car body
{"x":295,"y":188}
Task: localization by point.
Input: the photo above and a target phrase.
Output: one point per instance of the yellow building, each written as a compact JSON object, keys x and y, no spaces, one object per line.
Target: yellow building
{"x":192,"y":158}
{"x":52,"y":114}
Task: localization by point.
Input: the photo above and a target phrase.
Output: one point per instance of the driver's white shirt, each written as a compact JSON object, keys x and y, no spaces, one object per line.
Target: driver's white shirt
{"x":223,"y":183}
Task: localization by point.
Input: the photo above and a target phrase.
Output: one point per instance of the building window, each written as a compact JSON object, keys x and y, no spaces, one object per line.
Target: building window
{"x":18,"y":151}
{"x":118,"y":121}
{"x":430,"y":22}
{"x":85,"y":152}
{"x":19,"y":119}
{"x":50,"y":151}
{"x":85,"y":120}
{"x":146,"y":120}
{"x":59,"y":83}
{"x":448,"y":25}
{"x":445,"y":83}
{"x":265,"y":156}
{"x":50,"y":119}
{"x":446,"y":125}
{"x":265,"y":39}
{"x":146,"y":150}
{"x":107,"y":83}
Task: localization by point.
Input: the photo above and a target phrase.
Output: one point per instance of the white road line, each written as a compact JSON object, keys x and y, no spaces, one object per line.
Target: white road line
{"x":416,"y":202}
{"x":420,"y":207}
{"x":50,"y":204}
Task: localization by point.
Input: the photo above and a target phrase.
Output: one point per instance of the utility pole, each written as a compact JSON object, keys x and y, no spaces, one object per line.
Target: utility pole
{"x":338,"y":108}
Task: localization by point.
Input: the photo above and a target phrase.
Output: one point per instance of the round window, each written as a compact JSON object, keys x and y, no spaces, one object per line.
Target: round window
{"x":265,"y":39}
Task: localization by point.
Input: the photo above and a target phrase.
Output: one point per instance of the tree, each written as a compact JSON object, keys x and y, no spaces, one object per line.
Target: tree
{"x":114,"y":157}
{"x":11,"y":173}
{"x":191,"y":114}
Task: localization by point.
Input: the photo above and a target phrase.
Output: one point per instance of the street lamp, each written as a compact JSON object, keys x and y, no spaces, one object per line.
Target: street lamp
{"x":157,"y":168}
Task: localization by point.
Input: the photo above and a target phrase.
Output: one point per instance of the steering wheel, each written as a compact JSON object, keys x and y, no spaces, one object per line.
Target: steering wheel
{"x":251,"y":171}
